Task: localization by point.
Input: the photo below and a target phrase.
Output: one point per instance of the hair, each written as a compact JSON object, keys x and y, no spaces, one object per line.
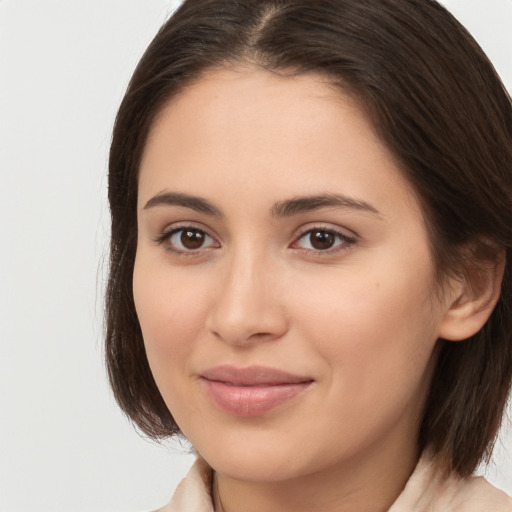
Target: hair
{"x":438,"y":105}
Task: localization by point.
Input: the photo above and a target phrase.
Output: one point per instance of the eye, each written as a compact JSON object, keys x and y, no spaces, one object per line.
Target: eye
{"x":187,"y":239}
{"x":323,"y":240}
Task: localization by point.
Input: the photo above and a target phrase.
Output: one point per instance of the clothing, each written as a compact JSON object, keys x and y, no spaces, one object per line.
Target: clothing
{"x":426,"y":491}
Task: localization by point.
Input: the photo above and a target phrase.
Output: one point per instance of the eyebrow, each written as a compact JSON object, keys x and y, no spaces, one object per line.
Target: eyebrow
{"x":178,"y":199}
{"x":305,"y":204}
{"x":287,"y":208}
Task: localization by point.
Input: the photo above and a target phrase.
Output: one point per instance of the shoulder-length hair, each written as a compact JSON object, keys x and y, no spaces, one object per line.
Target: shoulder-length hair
{"x":437,"y":104}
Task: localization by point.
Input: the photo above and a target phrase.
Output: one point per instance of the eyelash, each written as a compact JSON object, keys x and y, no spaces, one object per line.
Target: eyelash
{"x":344,"y":240}
{"x":166,"y":236}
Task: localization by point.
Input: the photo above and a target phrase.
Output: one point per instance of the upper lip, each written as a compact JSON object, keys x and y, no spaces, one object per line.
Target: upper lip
{"x":252,"y":376}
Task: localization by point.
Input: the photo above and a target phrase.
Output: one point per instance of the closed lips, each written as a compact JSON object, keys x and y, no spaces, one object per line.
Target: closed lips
{"x":252,"y":376}
{"x":252,"y":391}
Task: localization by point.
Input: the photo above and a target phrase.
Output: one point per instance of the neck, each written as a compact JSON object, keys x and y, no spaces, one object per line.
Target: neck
{"x":369,"y":484}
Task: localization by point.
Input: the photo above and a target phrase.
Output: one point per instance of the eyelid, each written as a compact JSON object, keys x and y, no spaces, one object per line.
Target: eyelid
{"x":166,"y":234}
{"x":348,"y":237}
{"x":325,"y":226}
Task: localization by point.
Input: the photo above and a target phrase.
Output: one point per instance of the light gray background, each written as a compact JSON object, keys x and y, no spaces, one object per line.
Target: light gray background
{"x":63,"y":68}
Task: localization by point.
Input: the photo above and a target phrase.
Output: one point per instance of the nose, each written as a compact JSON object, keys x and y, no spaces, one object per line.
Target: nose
{"x":248,"y":306}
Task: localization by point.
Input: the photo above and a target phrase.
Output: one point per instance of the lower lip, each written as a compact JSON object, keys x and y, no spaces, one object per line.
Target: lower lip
{"x":252,"y":400}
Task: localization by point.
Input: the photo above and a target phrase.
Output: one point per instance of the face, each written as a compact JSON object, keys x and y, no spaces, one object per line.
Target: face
{"x":283,"y":279}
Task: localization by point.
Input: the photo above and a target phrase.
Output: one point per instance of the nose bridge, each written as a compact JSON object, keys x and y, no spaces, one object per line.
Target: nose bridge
{"x":247,"y":306}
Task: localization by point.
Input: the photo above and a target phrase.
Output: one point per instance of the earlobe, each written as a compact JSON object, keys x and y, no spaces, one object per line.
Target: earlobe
{"x":472,"y":299}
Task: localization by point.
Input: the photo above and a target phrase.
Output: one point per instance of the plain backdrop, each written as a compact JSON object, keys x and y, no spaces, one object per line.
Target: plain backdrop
{"x":64,"y":66}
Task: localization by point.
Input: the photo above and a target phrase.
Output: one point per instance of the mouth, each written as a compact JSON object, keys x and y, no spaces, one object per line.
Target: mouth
{"x":253,"y":390}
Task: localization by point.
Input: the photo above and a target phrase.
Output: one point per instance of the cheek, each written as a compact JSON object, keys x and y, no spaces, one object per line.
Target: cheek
{"x":376,"y":343}
{"x":171,"y":312}
{"x":376,"y":326}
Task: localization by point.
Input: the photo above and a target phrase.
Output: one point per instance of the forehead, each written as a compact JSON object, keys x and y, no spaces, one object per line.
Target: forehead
{"x":260,"y":132}
{"x":228,"y":105}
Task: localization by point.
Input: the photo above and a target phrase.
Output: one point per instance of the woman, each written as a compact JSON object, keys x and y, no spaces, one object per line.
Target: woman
{"x":310,"y":263}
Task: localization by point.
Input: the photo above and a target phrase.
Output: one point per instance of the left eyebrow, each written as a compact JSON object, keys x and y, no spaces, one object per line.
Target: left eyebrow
{"x":305,"y":204}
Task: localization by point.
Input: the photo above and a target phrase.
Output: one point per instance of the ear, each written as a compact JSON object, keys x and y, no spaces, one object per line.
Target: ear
{"x":472,"y":298}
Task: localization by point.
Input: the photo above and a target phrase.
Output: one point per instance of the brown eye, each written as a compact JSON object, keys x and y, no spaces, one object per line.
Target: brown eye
{"x":188,"y":240}
{"x":192,"y":239}
{"x":322,"y":240}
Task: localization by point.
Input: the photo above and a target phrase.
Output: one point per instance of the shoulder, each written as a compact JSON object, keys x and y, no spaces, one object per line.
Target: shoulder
{"x":473,"y":495}
{"x":193,"y":492}
{"x":429,"y":488}
{"x":433,"y":488}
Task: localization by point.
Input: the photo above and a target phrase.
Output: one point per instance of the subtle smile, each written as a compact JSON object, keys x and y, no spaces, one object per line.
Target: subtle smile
{"x":252,"y":391}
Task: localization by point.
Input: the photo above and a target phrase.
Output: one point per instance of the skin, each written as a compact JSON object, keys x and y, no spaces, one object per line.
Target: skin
{"x":361,"y":318}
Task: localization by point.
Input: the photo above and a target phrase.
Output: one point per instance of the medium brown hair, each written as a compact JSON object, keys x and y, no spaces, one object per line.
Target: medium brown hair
{"x":440,"y":108}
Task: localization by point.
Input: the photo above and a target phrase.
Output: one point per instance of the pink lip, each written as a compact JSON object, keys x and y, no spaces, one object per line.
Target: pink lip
{"x":253,"y":390}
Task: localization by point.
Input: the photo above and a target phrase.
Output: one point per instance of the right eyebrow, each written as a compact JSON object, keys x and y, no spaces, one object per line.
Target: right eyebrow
{"x":178,"y":199}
